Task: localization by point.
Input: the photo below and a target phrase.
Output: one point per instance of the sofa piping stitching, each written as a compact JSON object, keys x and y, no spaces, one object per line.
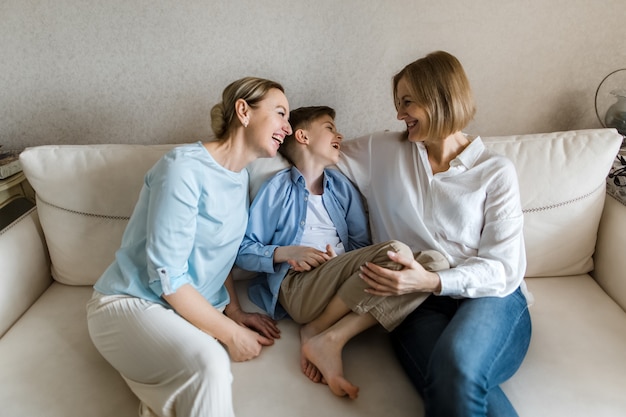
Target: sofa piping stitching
{"x":529,"y":210}
{"x":16,"y":221}
{"x":564,"y":203}
{"x":81,"y":213}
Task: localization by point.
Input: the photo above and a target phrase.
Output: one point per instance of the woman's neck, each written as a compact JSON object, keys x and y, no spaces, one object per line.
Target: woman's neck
{"x":442,"y":151}
{"x":230,"y":153}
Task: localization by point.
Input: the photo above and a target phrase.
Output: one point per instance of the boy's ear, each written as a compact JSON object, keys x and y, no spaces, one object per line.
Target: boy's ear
{"x":300,"y":136}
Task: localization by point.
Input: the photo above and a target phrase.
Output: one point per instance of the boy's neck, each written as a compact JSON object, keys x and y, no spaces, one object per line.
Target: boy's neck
{"x":313,"y":178}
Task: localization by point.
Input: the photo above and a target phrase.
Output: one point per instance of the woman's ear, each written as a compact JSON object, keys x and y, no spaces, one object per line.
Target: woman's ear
{"x":300,"y":136}
{"x":242,"y":110}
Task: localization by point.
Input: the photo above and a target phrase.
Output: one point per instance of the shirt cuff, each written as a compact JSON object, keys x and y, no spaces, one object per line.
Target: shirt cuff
{"x":267,"y":258}
{"x":166,"y":284}
{"x":451,"y":282}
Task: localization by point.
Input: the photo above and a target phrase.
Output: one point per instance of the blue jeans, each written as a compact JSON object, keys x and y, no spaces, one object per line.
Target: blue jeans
{"x":458,"y":352}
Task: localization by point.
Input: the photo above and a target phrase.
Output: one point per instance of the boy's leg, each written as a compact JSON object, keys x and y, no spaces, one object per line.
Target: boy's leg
{"x":320,"y":326}
{"x":324,"y":337}
{"x":353,"y":296}
{"x":323,"y":341}
{"x":389,"y":311}
{"x":310,"y":297}
{"x":305,"y":295}
{"x":324,"y":350}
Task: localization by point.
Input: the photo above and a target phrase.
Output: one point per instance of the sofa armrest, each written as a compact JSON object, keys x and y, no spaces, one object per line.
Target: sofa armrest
{"x":25,"y":271}
{"x":610,"y":255}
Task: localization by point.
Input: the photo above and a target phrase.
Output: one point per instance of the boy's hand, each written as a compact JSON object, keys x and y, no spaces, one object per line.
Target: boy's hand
{"x":300,"y":258}
{"x":261,"y":323}
{"x":330,"y":251}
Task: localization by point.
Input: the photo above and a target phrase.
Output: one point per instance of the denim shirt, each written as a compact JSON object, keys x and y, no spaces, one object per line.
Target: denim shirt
{"x":277,"y":218}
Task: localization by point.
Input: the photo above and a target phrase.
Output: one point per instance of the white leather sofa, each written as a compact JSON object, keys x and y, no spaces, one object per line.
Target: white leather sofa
{"x":576,"y":244}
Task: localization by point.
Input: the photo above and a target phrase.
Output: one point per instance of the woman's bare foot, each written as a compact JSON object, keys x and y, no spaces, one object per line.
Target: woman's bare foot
{"x":325,"y":354}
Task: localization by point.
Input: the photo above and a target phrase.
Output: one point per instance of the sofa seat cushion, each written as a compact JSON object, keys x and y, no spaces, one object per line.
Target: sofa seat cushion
{"x":21,"y":283}
{"x":50,"y":367}
{"x":576,"y":364}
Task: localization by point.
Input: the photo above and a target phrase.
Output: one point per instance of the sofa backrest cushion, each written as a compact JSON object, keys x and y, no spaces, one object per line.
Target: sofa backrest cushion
{"x":85,"y":196}
{"x":562,"y":178}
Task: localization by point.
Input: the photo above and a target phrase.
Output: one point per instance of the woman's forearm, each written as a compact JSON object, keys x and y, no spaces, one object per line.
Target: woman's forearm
{"x":191,"y":305}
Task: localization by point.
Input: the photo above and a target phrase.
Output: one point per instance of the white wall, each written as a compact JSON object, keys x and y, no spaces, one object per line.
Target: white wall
{"x":87,"y":71}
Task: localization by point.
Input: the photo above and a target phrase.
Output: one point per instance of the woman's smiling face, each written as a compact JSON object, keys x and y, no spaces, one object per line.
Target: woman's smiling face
{"x":415,"y":116}
{"x":269,"y":123}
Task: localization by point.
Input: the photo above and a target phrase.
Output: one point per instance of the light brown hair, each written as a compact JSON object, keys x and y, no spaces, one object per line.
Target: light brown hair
{"x":438,"y":84}
{"x":250,"y":89}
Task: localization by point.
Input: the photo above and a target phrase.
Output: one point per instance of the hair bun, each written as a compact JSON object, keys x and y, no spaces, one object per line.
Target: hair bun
{"x":218,"y":122}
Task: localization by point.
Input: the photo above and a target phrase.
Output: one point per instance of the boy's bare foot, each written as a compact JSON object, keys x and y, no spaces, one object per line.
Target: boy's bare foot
{"x":308,"y":369}
{"x":325,"y":354}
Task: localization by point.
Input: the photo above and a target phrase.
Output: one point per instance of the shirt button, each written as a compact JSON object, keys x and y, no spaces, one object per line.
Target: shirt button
{"x":267,"y":253}
{"x":306,"y":198}
{"x":302,"y":223}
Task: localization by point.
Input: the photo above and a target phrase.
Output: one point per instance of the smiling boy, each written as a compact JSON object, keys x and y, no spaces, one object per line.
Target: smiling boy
{"x":308,"y":237}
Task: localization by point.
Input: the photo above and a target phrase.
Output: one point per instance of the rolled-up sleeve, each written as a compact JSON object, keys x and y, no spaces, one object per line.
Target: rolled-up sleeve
{"x":171,"y":224}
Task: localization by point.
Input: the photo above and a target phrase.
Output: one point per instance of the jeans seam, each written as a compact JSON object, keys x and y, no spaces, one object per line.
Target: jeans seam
{"x":506,"y":341}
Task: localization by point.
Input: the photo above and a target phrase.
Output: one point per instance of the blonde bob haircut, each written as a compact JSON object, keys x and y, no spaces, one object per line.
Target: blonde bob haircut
{"x":250,"y":89}
{"x":438,"y":84}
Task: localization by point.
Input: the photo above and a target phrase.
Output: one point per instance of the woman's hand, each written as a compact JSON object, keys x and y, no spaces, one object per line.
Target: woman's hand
{"x":244,"y":344}
{"x":260,"y":323}
{"x":301,"y":258}
{"x":412,"y":278}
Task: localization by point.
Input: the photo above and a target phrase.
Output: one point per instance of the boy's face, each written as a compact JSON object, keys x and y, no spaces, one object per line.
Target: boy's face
{"x":324,"y":140}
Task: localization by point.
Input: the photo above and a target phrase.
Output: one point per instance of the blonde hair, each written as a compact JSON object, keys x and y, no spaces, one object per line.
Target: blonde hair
{"x":250,"y":89}
{"x":438,"y":84}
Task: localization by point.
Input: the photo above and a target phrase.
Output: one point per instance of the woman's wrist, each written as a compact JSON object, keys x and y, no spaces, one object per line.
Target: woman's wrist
{"x":436,"y":283}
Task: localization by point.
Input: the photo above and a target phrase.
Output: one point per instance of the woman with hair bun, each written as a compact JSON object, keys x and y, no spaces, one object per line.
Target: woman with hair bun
{"x":164,"y":314}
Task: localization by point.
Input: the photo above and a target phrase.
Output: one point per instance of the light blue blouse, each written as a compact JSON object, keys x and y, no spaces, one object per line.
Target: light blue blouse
{"x":185,"y":229}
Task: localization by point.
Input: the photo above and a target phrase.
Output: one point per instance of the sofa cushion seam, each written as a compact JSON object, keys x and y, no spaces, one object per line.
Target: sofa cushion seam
{"x":82,"y":213}
{"x":564,"y":203}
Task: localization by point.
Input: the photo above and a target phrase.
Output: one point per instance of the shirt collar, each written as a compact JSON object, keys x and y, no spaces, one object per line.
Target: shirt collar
{"x":298,"y":178}
{"x":466,"y":159}
{"x":470,"y":155}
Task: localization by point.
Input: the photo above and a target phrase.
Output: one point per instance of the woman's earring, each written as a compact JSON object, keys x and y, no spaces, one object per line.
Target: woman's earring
{"x":245,"y":122}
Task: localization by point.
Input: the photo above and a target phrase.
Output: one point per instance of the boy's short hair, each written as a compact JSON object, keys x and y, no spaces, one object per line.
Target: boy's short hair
{"x":301,"y":118}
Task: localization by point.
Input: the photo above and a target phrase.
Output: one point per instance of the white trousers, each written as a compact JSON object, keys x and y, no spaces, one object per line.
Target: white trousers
{"x":172,"y":366}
